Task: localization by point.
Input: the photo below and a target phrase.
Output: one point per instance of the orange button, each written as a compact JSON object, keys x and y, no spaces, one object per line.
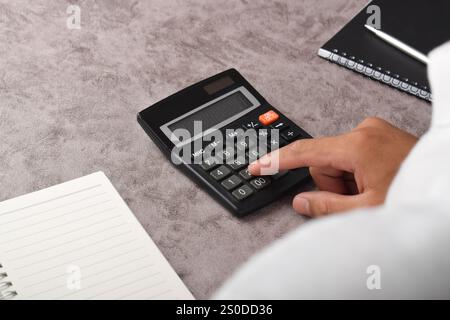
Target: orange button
{"x":268,"y":117}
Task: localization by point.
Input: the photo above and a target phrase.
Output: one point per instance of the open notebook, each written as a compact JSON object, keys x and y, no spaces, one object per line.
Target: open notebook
{"x":79,"y":240}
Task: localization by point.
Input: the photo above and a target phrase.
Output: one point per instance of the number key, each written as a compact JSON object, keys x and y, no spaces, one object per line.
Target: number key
{"x":237,"y":164}
{"x":243,"y":192}
{"x":256,"y":153}
{"x":209,"y":164}
{"x":231,"y":182}
{"x":260,"y":183}
{"x":228,"y":154}
{"x":220,"y":173}
{"x":245,"y":174}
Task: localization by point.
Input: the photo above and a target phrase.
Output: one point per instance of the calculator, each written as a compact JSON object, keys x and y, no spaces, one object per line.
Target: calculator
{"x":213,"y":129}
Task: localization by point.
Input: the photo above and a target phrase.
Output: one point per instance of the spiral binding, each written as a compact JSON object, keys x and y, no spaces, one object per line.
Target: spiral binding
{"x":6,"y":291}
{"x":375,"y":72}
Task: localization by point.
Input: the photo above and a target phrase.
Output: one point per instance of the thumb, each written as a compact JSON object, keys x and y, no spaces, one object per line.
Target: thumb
{"x":320,"y":203}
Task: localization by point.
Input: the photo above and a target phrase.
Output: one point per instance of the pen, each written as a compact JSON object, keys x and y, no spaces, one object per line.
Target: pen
{"x":399,"y":45}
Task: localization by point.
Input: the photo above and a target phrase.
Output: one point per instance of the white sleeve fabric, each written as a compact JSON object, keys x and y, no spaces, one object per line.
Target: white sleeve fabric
{"x":400,"y":250}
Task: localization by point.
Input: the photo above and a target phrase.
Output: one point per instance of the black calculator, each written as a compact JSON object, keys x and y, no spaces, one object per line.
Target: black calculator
{"x":213,"y":129}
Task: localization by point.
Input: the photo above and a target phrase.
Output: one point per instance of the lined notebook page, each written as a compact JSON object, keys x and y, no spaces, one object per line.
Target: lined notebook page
{"x":79,"y":240}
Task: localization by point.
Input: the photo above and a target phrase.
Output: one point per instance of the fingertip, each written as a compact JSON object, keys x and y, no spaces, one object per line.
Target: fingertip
{"x":253,"y":168}
{"x":301,"y":205}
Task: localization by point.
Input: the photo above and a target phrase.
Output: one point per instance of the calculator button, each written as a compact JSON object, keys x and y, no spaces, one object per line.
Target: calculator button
{"x":253,"y":155}
{"x":209,"y":164}
{"x":291,"y":134}
{"x":256,"y":153}
{"x":220,"y":173}
{"x":251,"y":125}
{"x":268,"y":118}
{"x":197,"y":155}
{"x":231,"y":134}
{"x":260,"y":183}
{"x":276,"y":143}
{"x":263,"y":133}
{"x":242,"y":192}
{"x":228,"y":154}
{"x":213,"y":145}
{"x":232,"y":182}
{"x":237,"y":164}
{"x":245,"y":174}
{"x":242,"y":145}
{"x":280,"y":125}
{"x":245,"y":144}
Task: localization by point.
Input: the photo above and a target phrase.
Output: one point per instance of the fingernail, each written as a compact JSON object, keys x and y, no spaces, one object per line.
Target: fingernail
{"x":265,"y":161}
{"x":301,"y":204}
{"x":253,"y":166}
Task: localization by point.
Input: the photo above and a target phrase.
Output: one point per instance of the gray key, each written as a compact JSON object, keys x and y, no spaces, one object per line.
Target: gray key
{"x":260,"y":183}
{"x":228,"y":154}
{"x":232,"y":182}
{"x":220,"y":173}
{"x":275,"y":144}
{"x":290,"y":134}
{"x":245,"y":174}
{"x":243,"y":192}
{"x":209,"y":164}
{"x":256,"y":153}
{"x":237,"y":164}
{"x":247,"y":143}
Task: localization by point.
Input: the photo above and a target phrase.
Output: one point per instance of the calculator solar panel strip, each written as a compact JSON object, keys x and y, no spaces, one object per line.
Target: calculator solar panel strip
{"x":230,"y":184}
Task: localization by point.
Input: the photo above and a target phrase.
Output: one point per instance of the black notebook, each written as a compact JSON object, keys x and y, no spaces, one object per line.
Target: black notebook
{"x":421,"y":24}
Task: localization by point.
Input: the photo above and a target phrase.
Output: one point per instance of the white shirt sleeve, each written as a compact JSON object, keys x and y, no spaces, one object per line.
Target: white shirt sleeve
{"x":398,"y":250}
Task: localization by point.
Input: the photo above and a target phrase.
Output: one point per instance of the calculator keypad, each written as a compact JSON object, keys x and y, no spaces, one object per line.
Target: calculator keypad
{"x":233,"y":175}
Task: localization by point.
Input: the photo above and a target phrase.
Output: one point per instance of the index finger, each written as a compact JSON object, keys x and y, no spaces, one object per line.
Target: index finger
{"x":334,"y":152}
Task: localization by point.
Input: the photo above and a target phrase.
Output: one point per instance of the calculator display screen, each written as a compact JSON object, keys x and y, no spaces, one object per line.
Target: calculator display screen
{"x":214,"y":113}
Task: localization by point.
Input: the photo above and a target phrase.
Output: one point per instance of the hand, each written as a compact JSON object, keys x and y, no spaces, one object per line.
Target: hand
{"x":351,"y":171}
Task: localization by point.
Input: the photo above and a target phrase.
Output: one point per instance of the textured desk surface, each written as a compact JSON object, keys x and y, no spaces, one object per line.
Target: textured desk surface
{"x":69,"y":98}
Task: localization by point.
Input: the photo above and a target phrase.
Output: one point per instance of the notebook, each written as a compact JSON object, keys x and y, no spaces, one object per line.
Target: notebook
{"x":79,"y":240}
{"x":421,"y":24}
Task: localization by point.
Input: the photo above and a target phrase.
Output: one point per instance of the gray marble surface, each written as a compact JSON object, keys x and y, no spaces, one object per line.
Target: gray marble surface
{"x":69,"y":98}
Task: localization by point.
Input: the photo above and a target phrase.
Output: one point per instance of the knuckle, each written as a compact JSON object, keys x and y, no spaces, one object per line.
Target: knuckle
{"x":372,"y":122}
{"x":364,"y":137}
{"x":360,"y":137}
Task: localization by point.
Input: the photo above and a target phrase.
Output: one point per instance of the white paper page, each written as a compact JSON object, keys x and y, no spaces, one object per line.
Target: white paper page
{"x":79,"y":240}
